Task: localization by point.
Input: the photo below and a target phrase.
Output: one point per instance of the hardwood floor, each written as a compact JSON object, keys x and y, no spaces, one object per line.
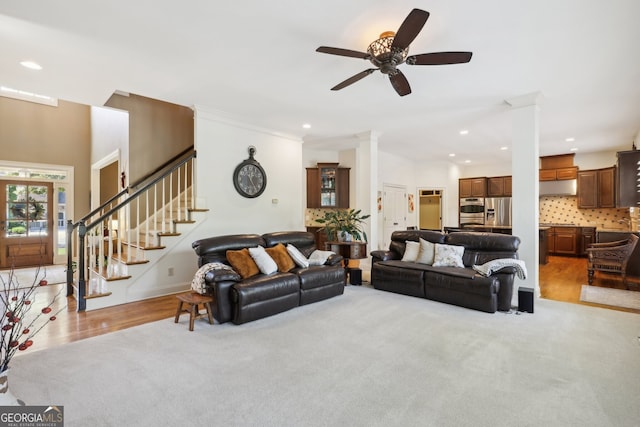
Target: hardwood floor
{"x":560,"y":279}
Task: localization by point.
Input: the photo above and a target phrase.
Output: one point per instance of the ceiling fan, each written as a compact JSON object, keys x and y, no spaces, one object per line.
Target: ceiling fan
{"x":391,"y":50}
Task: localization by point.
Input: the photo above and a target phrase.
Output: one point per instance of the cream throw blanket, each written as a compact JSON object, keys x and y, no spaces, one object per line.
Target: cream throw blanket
{"x":487,"y":269}
{"x":198,"y":283}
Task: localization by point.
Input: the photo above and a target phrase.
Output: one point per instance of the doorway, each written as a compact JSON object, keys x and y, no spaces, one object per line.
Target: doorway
{"x":26,"y":223}
{"x":430,"y":209}
{"x":394,"y":206}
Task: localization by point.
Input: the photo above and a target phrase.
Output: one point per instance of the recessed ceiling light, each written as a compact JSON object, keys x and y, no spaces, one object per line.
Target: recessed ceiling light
{"x":452,"y":154}
{"x":31,"y":65}
{"x":464,"y":132}
{"x":467,"y":161}
{"x":574,"y":149}
{"x":570,"y":139}
{"x":504,"y":148}
{"x":306,"y":126}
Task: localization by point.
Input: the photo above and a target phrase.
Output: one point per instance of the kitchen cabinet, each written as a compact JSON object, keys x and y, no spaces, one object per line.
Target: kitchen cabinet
{"x":596,"y":188}
{"x":557,"y":168}
{"x":499,"y":186}
{"x":543,"y":245}
{"x":328,"y":186}
{"x":588,"y":236}
{"x":472,"y":187}
{"x":558,"y":174}
{"x":628,"y":179}
{"x":566,"y":240}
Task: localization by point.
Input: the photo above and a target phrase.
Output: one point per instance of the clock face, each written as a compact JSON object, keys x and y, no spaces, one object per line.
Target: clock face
{"x":249,"y":179}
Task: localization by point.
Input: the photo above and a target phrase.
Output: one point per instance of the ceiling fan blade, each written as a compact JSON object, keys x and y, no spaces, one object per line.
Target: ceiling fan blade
{"x":400,"y":83}
{"x":343,"y":52}
{"x":410,"y":28}
{"x":439,"y":58}
{"x":353,"y":79}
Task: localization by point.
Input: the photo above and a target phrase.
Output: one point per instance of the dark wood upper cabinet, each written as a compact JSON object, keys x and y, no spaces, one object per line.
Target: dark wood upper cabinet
{"x":499,"y":186}
{"x":472,"y":187}
{"x":628,"y":176}
{"x":328,"y":186}
{"x":597,"y":188}
{"x":558,"y":167}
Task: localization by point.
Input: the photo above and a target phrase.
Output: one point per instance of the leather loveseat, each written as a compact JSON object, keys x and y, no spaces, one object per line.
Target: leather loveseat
{"x":453,"y":285}
{"x":243,"y":300}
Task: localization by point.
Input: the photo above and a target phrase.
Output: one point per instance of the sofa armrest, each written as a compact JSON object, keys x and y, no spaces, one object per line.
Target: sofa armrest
{"x":334,"y":259}
{"x":221,"y":293}
{"x":221,"y":275}
{"x":381,"y":255}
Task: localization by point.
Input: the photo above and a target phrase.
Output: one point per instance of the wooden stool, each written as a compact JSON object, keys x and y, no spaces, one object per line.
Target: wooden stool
{"x":194,"y":300}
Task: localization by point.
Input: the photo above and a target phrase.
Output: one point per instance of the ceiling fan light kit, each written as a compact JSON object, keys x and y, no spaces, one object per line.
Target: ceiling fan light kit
{"x":392,"y":49}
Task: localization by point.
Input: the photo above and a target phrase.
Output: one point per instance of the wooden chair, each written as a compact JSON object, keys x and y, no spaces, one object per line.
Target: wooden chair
{"x":611,"y":257}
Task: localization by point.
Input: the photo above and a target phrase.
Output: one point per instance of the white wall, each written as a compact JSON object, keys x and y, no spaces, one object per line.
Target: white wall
{"x":221,"y":145}
{"x":442,"y":175}
{"x":109,"y":132}
{"x":602,"y":159}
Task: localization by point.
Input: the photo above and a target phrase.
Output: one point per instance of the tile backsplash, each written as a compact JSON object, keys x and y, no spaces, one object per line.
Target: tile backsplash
{"x":564,"y":210}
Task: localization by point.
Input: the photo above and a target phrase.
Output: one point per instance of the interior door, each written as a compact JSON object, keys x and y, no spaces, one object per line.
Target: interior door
{"x":26,"y":223}
{"x":394,"y":205}
{"x":430,"y":210}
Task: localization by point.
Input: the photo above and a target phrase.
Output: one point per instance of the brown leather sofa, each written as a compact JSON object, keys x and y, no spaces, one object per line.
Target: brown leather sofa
{"x":453,"y":285}
{"x":243,"y":300}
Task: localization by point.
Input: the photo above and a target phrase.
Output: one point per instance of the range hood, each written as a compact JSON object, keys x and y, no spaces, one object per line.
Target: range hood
{"x":566,"y":187}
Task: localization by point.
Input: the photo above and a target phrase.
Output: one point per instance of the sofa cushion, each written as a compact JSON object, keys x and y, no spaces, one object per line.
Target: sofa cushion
{"x":319,"y":276}
{"x":281,"y":257}
{"x":448,"y":256}
{"x":242,"y":263}
{"x":297,"y":256}
{"x":411,"y":251}
{"x":265,"y":263}
{"x":263,"y":288}
{"x":319,"y":257}
{"x":427,"y":252}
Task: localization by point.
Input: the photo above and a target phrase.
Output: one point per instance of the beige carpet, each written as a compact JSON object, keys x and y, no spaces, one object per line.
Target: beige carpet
{"x":608,"y":296}
{"x":25,"y":277}
{"x":365,"y":359}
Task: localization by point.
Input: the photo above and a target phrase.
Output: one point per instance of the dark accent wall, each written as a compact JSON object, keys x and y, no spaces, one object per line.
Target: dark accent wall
{"x":61,"y":135}
{"x":158,"y":131}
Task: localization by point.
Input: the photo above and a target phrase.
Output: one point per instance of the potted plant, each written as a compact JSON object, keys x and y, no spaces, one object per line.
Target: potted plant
{"x":344,"y":225}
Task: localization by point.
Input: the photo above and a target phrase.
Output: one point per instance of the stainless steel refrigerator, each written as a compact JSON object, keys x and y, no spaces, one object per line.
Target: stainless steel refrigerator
{"x":497,"y":211}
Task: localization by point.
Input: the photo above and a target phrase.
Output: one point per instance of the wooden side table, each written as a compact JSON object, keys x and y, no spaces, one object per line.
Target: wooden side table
{"x":349,"y":251}
{"x":193,"y":301}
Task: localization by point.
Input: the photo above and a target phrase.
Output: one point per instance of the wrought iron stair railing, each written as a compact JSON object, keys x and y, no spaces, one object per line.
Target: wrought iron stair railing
{"x":116,"y":234}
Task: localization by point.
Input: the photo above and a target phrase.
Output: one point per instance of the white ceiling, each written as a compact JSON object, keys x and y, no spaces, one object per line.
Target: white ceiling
{"x":255,"y":61}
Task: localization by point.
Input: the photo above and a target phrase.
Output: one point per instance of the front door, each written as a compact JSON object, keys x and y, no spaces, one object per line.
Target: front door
{"x":26,"y":223}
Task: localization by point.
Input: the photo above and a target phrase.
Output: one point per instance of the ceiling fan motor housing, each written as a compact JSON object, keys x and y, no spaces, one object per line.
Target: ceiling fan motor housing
{"x":385,"y":57}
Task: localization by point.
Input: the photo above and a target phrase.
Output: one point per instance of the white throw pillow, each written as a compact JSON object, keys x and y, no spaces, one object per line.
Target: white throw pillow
{"x":319,"y":257}
{"x":296,"y":255}
{"x":448,"y":256}
{"x":265,"y":263}
{"x":411,"y":251}
{"x":427,"y":252}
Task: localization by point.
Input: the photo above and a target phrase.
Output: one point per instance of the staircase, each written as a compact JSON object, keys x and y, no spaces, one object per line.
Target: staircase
{"x":123,"y":248}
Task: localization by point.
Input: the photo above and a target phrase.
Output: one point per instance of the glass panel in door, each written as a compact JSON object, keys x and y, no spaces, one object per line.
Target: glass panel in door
{"x":25,"y":224}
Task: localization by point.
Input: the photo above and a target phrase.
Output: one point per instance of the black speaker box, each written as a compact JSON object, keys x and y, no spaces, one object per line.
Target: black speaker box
{"x":355,"y":276}
{"x":525,"y":299}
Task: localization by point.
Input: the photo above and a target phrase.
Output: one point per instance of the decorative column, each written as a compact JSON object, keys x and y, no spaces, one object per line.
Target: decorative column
{"x":525,"y":153}
{"x":366,"y":180}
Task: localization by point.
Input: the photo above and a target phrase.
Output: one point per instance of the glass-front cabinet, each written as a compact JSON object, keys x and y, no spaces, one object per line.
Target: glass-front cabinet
{"x":328,"y":186}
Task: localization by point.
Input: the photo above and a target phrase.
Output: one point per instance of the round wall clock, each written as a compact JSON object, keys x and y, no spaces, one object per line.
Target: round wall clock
{"x":249,"y":178}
